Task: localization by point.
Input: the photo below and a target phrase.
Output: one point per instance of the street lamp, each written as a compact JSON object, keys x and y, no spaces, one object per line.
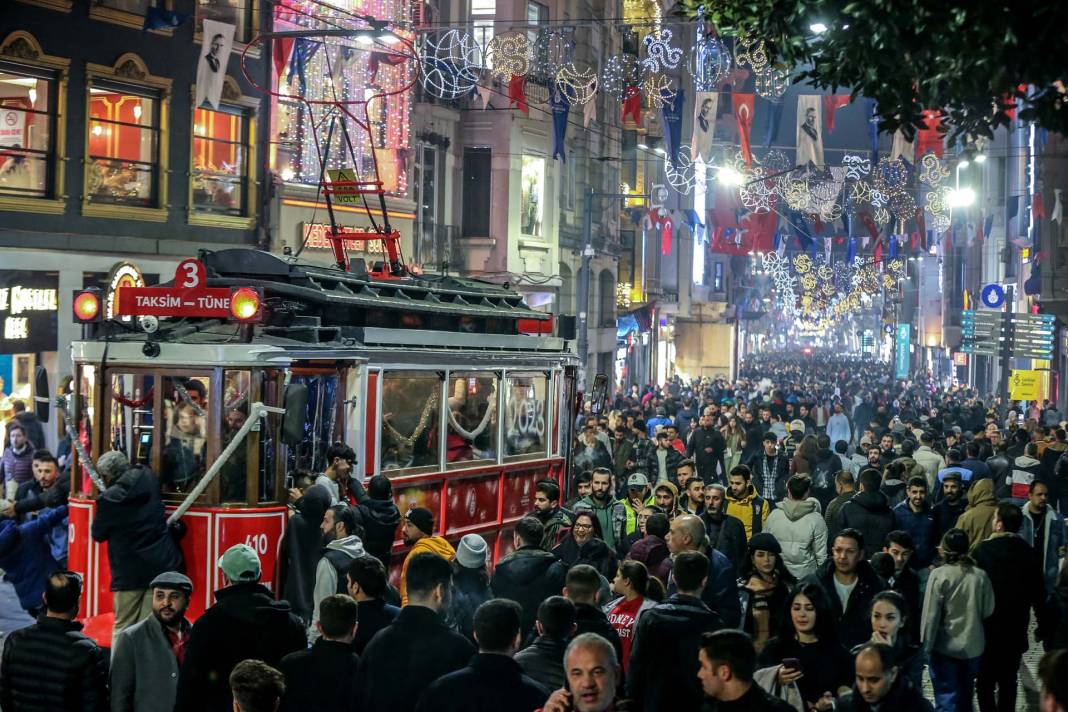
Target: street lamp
{"x":961,"y":197}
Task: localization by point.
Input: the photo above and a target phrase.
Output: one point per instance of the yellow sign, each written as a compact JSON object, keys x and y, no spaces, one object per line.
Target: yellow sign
{"x":343,"y":194}
{"x":1025,"y":385}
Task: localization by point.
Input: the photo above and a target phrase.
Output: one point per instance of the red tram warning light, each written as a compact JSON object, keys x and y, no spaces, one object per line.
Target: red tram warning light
{"x":87,"y":306}
{"x":246,"y":305}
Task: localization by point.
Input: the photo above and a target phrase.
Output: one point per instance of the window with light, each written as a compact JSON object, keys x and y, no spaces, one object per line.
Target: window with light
{"x":220,"y":158}
{"x":123,"y":150}
{"x":27,"y":145}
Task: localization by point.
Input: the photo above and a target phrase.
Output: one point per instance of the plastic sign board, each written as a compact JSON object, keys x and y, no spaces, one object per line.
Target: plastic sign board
{"x":344,"y":195}
{"x":960,"y":359}
{"x":993,"y":296}
{"x":901,"y":355}
{"x":1025,"y":385}
{"x":187,"y":297}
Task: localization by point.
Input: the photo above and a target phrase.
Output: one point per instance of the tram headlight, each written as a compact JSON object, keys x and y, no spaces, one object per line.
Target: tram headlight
{"x":88,"y":306}
{"x":246,"y":305}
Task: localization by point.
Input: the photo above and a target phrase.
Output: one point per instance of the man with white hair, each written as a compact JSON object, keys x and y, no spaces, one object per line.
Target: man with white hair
{"x":592,"y":673}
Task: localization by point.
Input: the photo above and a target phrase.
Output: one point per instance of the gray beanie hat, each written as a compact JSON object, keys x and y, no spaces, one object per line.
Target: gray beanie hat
{"x":471,"y":553}
{"x":112,"y":464}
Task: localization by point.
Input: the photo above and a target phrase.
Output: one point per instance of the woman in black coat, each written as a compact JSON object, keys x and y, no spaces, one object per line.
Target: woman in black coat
{"x":764,"y":587}
{"x":301,"y":550}
{"x":890,"y":625}
{"x":584,"y":545}
{"x":470,"y":585}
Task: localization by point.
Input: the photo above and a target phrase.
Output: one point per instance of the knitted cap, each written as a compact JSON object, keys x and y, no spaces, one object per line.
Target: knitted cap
{"x":112,"y":464}
{"x":471,"y":552}
{"x":422,"y":519}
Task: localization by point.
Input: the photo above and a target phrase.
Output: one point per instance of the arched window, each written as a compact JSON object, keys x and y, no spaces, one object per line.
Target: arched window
{"x":606,"y":291}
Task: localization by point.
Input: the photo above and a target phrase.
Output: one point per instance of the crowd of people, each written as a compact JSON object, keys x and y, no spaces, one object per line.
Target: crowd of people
{"x":811,"y":536}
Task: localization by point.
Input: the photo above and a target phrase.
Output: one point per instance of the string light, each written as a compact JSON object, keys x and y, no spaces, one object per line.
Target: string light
{"x":450,"y":64}
{"x":509,"y":54}
{"x":578,"y":85}
{"x":554,"y":49}
{"x":709,"y":62}
{"x":620,"y":72}
{"x":658,"y":90}
{"x":772,"y":82}
{"x":659,"y":54}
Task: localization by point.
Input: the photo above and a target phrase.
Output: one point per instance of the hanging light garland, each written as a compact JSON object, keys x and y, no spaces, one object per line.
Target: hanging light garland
{"x":709,"y":62}
{"x":658,"y":90}
{"x":554,"y":49}
{"x":450,"y":64}
{"x":620,"y":72}
{"x":772,"y":82}
{"x":510,"y":55}
{"x":683,"y":175}
{"x":578,"y":85}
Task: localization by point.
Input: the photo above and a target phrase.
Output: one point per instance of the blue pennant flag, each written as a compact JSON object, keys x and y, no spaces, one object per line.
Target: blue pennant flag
{"x":774,"y":113}
{"x":159,"y":19}
{"x":873,"y":133}
{"x":893,"y":246}
{"x":672,"y":117}
{"x":303,"y":50}
{"x":852,"y":252}
{"x":800,"y":229}
{"x":561,"y":107}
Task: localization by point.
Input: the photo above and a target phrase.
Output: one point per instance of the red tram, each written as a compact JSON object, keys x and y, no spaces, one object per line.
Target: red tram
{"x":452,"y":387}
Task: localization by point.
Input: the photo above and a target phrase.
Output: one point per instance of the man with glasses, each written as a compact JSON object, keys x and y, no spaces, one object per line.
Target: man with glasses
{"x":52,"y":665}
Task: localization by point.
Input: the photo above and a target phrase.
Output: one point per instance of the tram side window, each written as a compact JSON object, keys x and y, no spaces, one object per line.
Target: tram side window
{"x":233,"y":475}
{"x":83,"y":424}
{"x":472,"y":411}
{"x":131,"y":421}
{"x":410,"y":405}
{"x":185,"y":449}
{"x":322,"y":427}
{"x":525,"y":401}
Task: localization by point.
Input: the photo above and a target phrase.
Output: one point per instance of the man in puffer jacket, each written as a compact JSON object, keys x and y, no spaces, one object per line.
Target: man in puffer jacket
{"x":1025,"y":469}
{"x":978,"y":521}
{"x":799,"y":527}
{"x":380,"y":518}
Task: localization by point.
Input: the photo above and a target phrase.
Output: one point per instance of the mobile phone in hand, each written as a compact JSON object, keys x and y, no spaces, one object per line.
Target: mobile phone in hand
{"x":792,"y":664}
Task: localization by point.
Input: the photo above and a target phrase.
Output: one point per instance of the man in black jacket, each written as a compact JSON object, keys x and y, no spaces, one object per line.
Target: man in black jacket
{"x":850,"y":584}
{"x":879,"y":684}
{"x":245,"y":622}
{"x":948,"y":510}
{"x":726,"y":534}
{"x":380,"y":519}
{"x":52,"y":665}
{"x":130,"y":518}
{"x":869,"y":511}
{"x":770,"y":469}
{"x":324,"y":677}
{"x":662,"y":674}
{"x":48,"y":488}
{"x":583,"y":585}
{"x":543,"y":660}
{"x":301,"y":549}
{"x":493,"y":681}
{"x":707,"y":447}
{"x":1015,"y":571}
{"x":727,"y":663}
{"x":403,"y":660}
{"x":530,"y":574}
{"x":367,"y":584}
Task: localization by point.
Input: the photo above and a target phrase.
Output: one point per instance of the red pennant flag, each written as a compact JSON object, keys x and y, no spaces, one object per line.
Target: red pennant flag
{"x":743,"y":116}
{"x":921,"y":225}
{"x":1038,"y":207}
{"x":869,"y":223}
{"x":831,"y":104}
{"x":760,"y":230}
{"x":283,"y":47}
{"x":517,"y":93}
{"x":979,"y":227}
{"x":379,"y":58}
{"x":877,"y":253}
{"x":632,"y":105}
{"x":1010,"y":98}
{"x":930,"y":138}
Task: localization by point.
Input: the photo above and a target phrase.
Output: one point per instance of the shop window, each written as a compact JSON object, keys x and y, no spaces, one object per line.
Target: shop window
{"x":525,"y":415}
{"x":220,"y":162}
{"x":532,"y":198}
{"x":27,"y":145}
{"x":472,"y":413}
{"x":410,"y":414}
{"x":124,"y":146}
{"x":185,"y":437}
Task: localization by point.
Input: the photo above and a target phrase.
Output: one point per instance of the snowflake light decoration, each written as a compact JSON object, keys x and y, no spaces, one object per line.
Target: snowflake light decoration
{"x":579,"y":86}
{"x":932,"y":170}
{"x":658,"y":89}
{"x":509,"y":55}
{"x":755,"y":194}
{"x":450,"y":64}
{"x":709,"y":62}
{"x":857,"y":167}
{"x":659,"y":52}
{"x":881,"y":216}
{"x":940,"y":223}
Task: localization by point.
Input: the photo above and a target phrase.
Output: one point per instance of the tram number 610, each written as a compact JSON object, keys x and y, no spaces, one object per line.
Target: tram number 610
{"x":257,"y":542}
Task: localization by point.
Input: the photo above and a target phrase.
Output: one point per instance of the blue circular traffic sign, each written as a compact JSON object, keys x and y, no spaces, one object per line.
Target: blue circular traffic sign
{"x":992,"y":295}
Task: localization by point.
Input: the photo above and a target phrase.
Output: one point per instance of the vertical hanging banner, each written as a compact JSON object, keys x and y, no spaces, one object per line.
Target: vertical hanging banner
{"x":901,"y":352}
{"x":517,"y":93}
{"x":873,"y":132}
{"x":211,"y":65}
{"x":771,"y":130}
{"x":903,"y":148}
{"x":743,"y":116}
{"x":704,"y":125}
{"x":809,"y":126}
{"x":831,"y":104}
{"x":632,"y":106}
{"x":589,"y":113}
{"x":561,"y":107}
{"x":672,"y":120}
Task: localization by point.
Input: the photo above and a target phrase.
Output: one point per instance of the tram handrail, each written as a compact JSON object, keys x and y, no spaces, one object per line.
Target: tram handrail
{"x":256,"y":411}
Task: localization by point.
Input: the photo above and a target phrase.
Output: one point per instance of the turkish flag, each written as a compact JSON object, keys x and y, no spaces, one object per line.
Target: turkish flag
{"x":831,"y":104}
{"x":930,"y":138}
{"x":517,"y":93}
{"x":760,"y":230}
{"x":743,"y":115}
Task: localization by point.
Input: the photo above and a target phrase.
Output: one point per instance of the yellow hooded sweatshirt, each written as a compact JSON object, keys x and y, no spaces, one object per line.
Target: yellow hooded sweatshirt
{"x":428,"y":544}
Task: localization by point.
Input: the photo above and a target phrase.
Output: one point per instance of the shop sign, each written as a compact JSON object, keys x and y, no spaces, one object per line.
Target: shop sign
{"x":960,"y":359}
{"x":1025,"y":385}
{"x":901,"y":357}
{"x":12,"y":128}
{"x":29,"y":303}
{"x":315,"y":238}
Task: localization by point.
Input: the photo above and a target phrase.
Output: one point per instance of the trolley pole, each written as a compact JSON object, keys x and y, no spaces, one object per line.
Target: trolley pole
{"x":583,"y":283}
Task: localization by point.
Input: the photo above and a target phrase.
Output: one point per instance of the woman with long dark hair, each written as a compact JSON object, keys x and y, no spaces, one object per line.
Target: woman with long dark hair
{"x":805,"y":456}
{"x":890,"y":625}
{"x":470,"y":584}
{"x":764,"y":586}
{"x":631,"y":588}
{"x":807,"y":649}
{"x":584,"y":544}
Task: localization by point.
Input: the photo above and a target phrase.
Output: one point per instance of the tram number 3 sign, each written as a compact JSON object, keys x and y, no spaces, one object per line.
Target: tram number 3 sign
{"x":189,"y":296}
